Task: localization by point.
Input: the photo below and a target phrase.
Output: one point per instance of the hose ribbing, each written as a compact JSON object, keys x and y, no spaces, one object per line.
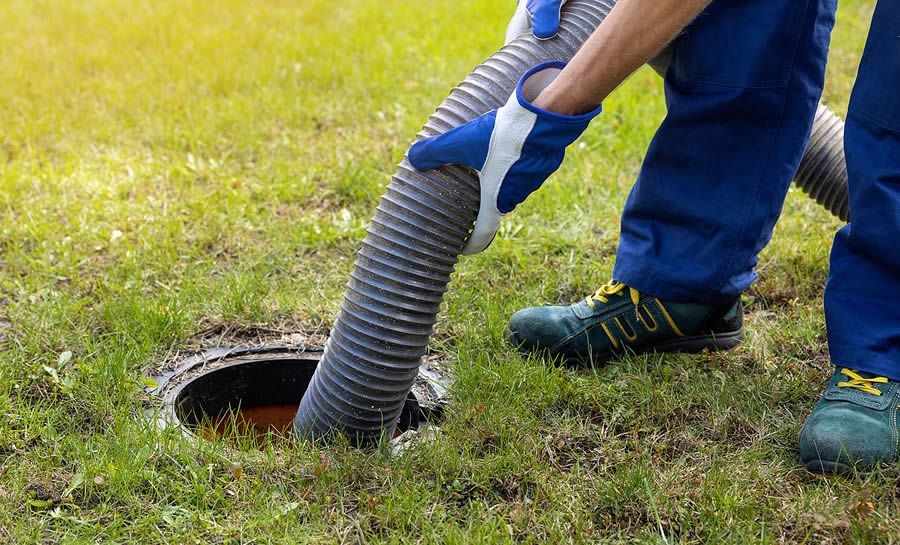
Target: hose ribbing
{"x":410,"y":250}
{"x":823,"y":170}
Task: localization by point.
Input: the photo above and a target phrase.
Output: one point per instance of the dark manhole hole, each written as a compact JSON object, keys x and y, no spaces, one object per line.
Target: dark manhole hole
{"x":254,"y":391}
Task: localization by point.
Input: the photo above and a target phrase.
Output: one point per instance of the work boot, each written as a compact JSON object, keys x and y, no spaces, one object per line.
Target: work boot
{"x":854,"y":424}
{"x":608,"y":323}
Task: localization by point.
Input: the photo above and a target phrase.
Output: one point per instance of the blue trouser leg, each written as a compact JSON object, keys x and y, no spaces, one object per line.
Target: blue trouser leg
{"x":862,"y":297}
{"x":741,"y":94}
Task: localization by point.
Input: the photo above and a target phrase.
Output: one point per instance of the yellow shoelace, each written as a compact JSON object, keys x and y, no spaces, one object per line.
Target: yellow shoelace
{"x":614,"y":288}
{"x":864,"y":384}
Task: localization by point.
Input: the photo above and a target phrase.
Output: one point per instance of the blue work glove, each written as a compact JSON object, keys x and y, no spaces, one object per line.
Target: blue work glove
{"x":541,"y":16}
{"x":514,"y":149}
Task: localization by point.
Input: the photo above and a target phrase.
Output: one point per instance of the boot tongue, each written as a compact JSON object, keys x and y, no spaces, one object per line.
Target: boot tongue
{"x":880,"y":386}
{"x":861,"y":397}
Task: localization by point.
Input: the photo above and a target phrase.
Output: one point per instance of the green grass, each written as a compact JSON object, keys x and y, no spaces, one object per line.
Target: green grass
{"x":175,"y":174}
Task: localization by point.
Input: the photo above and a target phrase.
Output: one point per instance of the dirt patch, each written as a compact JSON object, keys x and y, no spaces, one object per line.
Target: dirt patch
{"x":5,"y":331}
{"x":622,"y":518}
{"x":497,"y":491}
{"x":814,"y":528}
{"x":694,"y":416}
{"x":285,"y":333}
{"x":45,"y":491}
{"x":217,"y":333}
{"x":677,"y":447}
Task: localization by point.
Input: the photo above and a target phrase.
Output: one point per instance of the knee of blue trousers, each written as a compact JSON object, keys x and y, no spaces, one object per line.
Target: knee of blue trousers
{"x":862,"y":297}
{"x":740,"y":44}
{"x":741,"y":92}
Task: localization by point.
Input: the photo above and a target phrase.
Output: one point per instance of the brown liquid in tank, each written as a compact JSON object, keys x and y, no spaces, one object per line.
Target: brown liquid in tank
{"x":255,"y":422}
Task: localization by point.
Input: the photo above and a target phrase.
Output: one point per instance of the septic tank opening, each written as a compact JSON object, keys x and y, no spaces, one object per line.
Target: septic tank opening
{"x":254,"y":391}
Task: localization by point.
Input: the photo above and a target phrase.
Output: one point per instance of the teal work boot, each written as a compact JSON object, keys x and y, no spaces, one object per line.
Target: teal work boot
{"x":608,"y":323}
{"x":854,"y":424}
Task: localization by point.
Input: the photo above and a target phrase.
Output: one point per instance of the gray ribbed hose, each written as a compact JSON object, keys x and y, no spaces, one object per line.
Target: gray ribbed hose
{"x":411,"y":248}
{"x":823,"y":170}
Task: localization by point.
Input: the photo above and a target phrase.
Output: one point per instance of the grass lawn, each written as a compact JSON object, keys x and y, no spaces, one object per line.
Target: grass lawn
{"x":179,"y":174}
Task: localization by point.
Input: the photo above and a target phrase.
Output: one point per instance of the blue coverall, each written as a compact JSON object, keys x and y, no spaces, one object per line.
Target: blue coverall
{"x":741,"y":93}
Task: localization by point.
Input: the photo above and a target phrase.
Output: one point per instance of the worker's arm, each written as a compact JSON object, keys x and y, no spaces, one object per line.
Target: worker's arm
{"x":632,"y":33}
{"x":514,"y":149}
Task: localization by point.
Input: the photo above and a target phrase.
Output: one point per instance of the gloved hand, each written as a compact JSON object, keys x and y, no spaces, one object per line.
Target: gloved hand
{"x":542,"y":16}
{"x":514,"y":149}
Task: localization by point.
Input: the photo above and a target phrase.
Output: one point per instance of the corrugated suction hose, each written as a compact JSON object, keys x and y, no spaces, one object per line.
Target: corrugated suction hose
{"x":823,"y":169}
{"x":411,"y":248}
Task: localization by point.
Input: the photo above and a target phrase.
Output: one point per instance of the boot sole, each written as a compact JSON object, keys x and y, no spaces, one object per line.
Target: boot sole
{"x":698,"y":343}
{"x":723,"y":341}
{"x":830,"y":469}
{"x":695,"y":344}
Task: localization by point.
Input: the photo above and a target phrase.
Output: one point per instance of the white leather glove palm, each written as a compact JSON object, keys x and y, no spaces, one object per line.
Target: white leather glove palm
{"x":514,"y":149}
